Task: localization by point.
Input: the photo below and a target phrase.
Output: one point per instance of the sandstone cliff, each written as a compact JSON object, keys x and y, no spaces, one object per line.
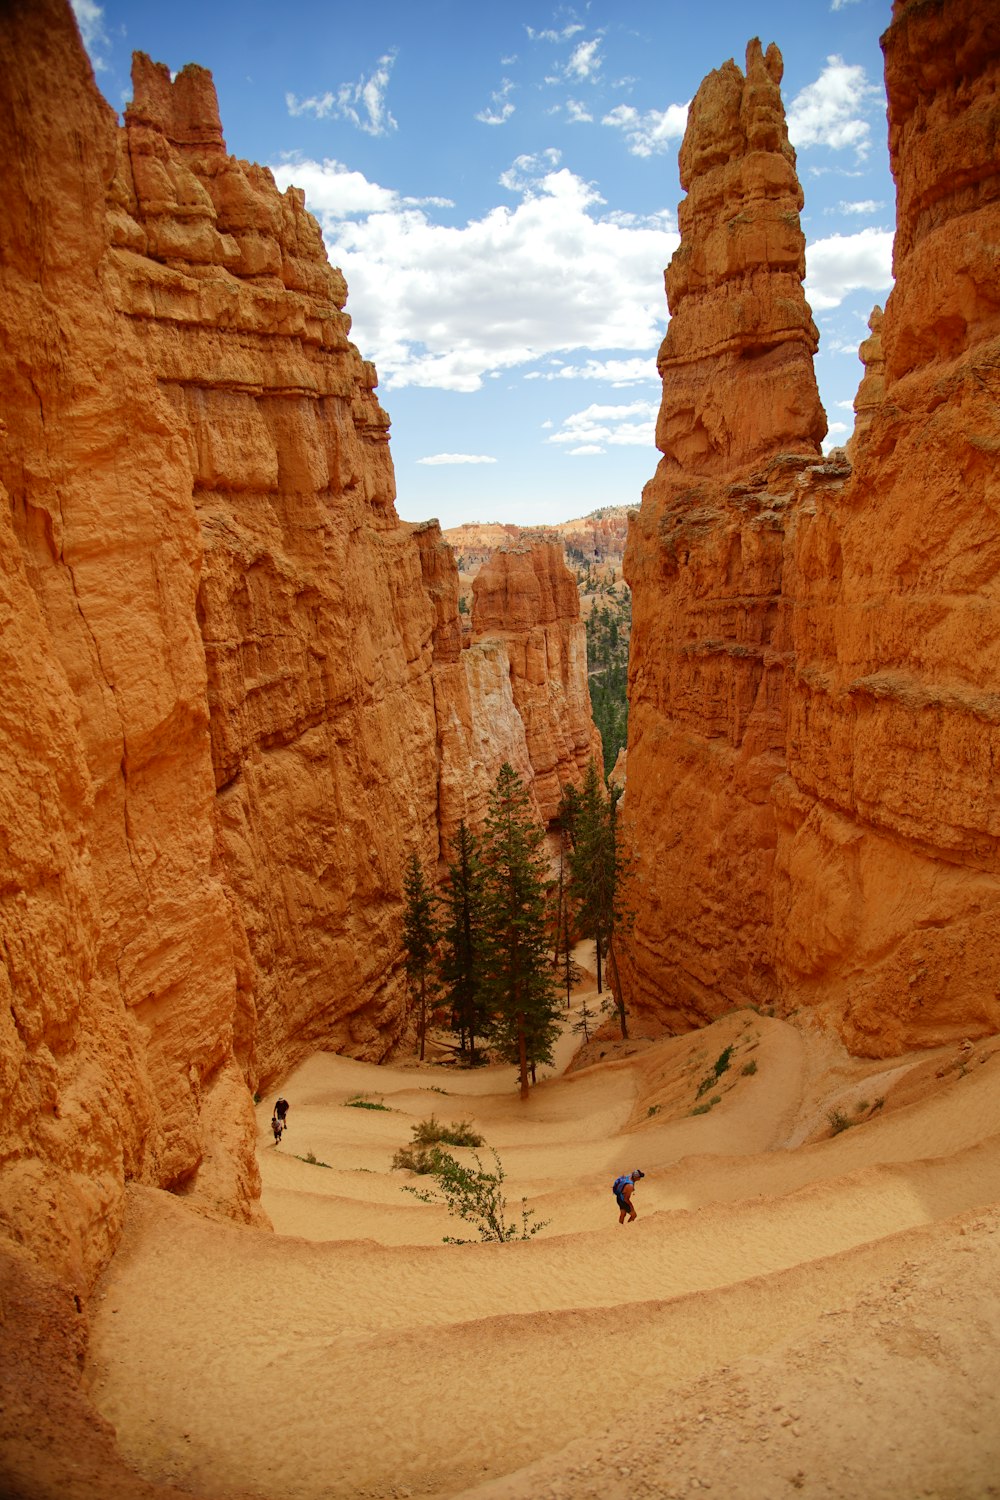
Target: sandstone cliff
{"x":814,"y":715}
{"x":233,"y":696}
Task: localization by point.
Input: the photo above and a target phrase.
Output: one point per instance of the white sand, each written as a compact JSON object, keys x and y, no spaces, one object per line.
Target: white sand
{"x":783,"y":1316}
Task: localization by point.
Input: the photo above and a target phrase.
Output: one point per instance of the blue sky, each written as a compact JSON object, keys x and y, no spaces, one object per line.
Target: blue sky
{"x":499,"y":184}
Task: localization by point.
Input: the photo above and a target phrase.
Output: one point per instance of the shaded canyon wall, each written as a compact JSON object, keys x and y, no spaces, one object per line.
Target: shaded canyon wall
{"x":815,"y":720}
{"x":233,"y":694}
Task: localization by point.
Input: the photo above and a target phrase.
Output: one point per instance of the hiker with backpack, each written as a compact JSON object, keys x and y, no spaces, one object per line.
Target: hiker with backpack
{"x":279,"y":1124}
{"x":622,"y":1189}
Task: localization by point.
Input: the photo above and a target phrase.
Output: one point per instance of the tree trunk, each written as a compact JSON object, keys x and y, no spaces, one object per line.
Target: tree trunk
{"x":423,"y":1015}
{"x":617,"y":985}
{"x":600,"y":987}
{"x":522,"y":1056}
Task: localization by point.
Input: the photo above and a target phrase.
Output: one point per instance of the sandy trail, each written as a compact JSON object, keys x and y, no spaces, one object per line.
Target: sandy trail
{"x":352,"y":1353}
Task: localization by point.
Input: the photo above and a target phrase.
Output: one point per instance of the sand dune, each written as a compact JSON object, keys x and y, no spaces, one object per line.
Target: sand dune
{"x":850,"y":1280}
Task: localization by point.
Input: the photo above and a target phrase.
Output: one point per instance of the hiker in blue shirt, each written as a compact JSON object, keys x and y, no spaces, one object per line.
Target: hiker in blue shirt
{"x":622,"y":1189}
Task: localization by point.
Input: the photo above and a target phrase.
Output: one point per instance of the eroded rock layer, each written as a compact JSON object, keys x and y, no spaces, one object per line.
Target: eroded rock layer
{"x":233,"y":695}
{"x":815,"y":724}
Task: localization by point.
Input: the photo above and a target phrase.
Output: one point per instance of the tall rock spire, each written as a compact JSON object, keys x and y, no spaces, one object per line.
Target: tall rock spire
{"x":738,"y":381}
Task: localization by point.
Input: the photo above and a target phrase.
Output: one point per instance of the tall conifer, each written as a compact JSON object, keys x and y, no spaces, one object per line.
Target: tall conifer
{"x":517,"y":979}
{"x":462,"y":940}
{"x":420,"y":938}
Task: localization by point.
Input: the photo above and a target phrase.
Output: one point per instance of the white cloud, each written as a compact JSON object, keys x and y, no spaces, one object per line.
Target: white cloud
{"x":652,"y":132}
{"x":846,"y":263}
{"x":830,"y":112}
{"x":554,"y":36}
{"x":614,"y":372}
{"x":90,"y":19}
{"x":338,"y":191}
{"x":445,"y":306}
{"x":598,"y":427}
{"x":363,"y":103}
{"x":860,"y":206}
{"x":577,"y":113}
{"x":585,"y":60}
{"x":839,"y":4}
{"x":457,"y":458}
{"x":500,"y":108}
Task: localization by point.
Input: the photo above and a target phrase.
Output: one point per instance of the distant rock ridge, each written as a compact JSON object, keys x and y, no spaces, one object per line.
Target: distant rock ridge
{"x":814,"y":718}
{"x":234,"y":696}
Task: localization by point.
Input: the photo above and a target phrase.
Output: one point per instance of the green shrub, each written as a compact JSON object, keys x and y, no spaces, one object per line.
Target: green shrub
{"x":476,"y":1195}
{"x":421,"y":1159}
{"x":458,"y":1133}
{"x":362,"y":1101}
{"x":313,"y":1161}
{"x":750,"y":1068}
{"x":838,"y":1121}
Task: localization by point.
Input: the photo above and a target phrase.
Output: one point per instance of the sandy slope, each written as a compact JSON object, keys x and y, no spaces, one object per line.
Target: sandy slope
{"x":787,"y":1313}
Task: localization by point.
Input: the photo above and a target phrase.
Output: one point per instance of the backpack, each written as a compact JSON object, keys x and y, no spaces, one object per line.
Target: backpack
{"x":619,"y":1183}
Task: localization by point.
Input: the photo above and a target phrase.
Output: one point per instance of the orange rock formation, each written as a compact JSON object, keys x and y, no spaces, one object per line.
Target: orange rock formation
{"x":526,"y":597}
{"x":233,"y":696}
{"x":814,"y":715}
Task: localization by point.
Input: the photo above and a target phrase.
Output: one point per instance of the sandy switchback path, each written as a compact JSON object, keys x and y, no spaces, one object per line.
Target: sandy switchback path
{"x":352,"y":1353}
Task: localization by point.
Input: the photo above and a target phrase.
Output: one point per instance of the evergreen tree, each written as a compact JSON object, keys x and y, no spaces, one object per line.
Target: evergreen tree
{"x":517,"y":980}
{"x":462,"y":940}
{"x":595,"y":865}
{"x":420,"y":938}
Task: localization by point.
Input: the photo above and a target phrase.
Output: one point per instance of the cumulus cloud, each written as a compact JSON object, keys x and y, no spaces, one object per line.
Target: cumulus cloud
{"x":337,"y":191}
{"x":831,"y":112}
{"x":90,"y":19}
{"x":599,"y":427}
{"x":362,"y":103}
{"x":649,"y":133}
{"x":577,"y":113}
{"x":550,"y":35}
{"x":447,"y":306}
{"x":846,"y":263}
{"x":457,"y":458}
{"x":500,"y":107}
{"x":614,"y":372}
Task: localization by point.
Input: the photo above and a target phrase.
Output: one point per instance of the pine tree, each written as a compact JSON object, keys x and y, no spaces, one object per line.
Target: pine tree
{"x":420,"y":938}
{"x":595,"y":865}
{"x":462,"y":940}
{"x":517,"y":980}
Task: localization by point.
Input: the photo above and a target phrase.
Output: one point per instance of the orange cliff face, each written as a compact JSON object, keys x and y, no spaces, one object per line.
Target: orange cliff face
{"x":814,"y":724}
{"x":227,"y":701}
{"x":525,"y":600}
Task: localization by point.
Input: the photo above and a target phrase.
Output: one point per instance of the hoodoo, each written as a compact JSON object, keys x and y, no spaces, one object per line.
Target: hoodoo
{"x":234,"y":696}
{"x":814,"y":725}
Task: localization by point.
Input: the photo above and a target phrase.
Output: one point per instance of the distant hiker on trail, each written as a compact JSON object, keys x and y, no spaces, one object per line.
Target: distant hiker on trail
{"x":279,"y":1123}
{"x":622,"y":1189}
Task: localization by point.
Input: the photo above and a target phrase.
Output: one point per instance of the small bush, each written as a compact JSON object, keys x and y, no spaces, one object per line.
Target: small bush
{"x":314,"y":1161}
{"x":703,"y":1109}
{"x":421,"y":1159}
{"x":750,"y":1068}
{"x":654,"y":1109}
{"x":861,"y":1108}
{"x":458,"y":1133}
{"x":362,"y":1101}
{"x":838,"y":1121}
{"x":476,"y":1195}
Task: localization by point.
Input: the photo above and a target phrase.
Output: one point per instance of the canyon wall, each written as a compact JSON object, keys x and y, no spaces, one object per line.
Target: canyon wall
{"x":233,"y":695}
{"x":814,"y":724}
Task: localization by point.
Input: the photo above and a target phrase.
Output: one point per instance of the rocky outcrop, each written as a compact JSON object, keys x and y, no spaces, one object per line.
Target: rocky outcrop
{"x":232,"y":678}
{"x":814,"y":714}
{"x":526,"y":598}
{"x":737,"y":358}
{"x":871,"y":391}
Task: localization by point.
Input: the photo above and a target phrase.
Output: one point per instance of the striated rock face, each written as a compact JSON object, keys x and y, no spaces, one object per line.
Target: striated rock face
{"x":871,"y":391}
{"x":526,"y":598}
{"x":737,"y":358}
{"x":232,"y":689}
{"x":814,"y":715}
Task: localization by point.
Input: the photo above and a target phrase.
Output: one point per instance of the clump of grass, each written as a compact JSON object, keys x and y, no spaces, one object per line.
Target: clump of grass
{"x":654,"y":1109}
{"x":364,"y":1101}
{"x":313,"y":1161}
{"x":838,"y":1121}
{"x":715,"y":1072}
{"x":420,"y":1159}
{"x":861,"y":1108}
{"x":703,"y":1109}
{"x":750,"y":1068}
{"x":433,"y":1088}
{"x":879,"y":1103}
